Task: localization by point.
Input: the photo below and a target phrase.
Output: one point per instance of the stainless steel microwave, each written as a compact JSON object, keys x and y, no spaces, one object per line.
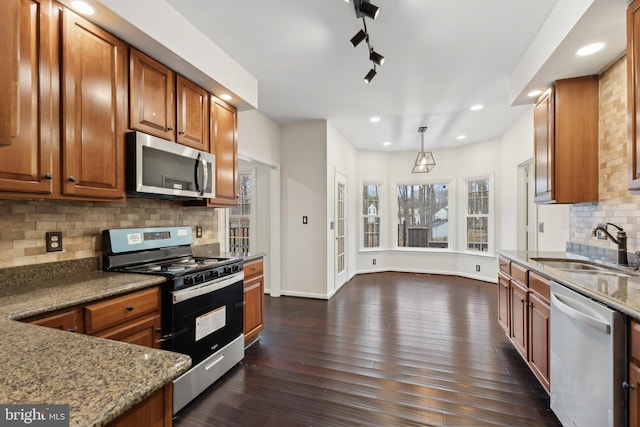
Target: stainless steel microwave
{"x":165,"y":169}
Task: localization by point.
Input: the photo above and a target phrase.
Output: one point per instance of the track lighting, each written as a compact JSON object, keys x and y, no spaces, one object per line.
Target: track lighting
{"x":364,"y":9}
{"x":376,"y":57}
{"x":370,"y":75}
{"x":358,"y":38}
{"x":368,"y":9}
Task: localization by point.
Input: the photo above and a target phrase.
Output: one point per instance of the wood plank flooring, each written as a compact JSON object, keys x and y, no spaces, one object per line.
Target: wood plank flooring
{"x":389,"y":349}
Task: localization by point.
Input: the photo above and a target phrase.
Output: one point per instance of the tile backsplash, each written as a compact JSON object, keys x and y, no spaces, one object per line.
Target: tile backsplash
{"x":616,"y":204}
{"x":23,"y":224}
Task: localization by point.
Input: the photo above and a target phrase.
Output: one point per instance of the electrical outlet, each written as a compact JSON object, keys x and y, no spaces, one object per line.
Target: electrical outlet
{"x":53,"y":240}
{"x":477,"y":267}
{"x":198,"y":231}
{"x":600,"y":234}
{"x":374,"y":261}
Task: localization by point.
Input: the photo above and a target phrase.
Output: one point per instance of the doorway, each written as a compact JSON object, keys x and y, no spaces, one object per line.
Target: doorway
{"x":340,"y":230}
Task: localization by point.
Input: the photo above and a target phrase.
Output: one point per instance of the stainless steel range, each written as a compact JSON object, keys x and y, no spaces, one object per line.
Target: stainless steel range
{"x":202,"y":300}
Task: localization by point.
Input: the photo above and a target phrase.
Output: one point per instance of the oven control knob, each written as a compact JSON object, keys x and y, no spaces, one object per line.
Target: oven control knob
{"x":214,"y":274}
{"x":188,"y":281}
{"x":227,"y":270}
{"x":198,"y":278}
{"x":236,"y":268}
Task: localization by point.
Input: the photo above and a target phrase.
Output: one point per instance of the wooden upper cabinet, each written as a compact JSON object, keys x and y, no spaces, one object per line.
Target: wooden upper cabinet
{"x":93,"y":103}
{"x":152,"y":104}
{"x":224,"y":144}
{"x":566,"y":142}
{"x":633,"y":95}
{"x":192,"y":114}
{"x":26,"y":97}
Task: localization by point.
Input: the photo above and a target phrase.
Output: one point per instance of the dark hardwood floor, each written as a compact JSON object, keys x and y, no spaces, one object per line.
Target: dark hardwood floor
{"x":389,"y":349}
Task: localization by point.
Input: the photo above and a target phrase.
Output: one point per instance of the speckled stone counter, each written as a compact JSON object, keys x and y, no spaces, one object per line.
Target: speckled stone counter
{"x":99,"y":379}
{"x":619,"y":292}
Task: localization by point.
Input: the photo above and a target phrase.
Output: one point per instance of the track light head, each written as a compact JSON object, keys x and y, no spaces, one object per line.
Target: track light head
{"x":359,"y":38}
{"x":368,"y":9}
{"x":370,"y":75}
{"x":376,"y":57}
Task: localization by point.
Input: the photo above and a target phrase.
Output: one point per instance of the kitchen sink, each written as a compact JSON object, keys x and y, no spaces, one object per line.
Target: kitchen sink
{"x":583,"y":266}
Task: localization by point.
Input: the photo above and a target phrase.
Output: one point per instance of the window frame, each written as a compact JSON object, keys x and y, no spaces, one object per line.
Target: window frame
{"x":363,"y":217}
{"x":252,"y":216}
{"x":490,"y":216}
{"x":451,"y":214}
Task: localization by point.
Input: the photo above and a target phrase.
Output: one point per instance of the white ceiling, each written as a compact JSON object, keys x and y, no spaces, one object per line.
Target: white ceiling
{"x":442,"y":57}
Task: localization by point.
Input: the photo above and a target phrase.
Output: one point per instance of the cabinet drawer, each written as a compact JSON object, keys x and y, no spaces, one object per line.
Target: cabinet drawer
{"x":115,"y":310}
{"x":519,"y":273}
{"x":634,"y":332}
{"x":539,"y":285}
{"x":253,"y":269}
{"x":504,"y":265}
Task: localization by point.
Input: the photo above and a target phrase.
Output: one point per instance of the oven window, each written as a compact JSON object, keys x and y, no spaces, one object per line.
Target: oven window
{"x":242,"y":216}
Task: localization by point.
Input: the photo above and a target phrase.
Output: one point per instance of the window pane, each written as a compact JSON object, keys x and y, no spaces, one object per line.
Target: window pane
{"x":239,"y":218}
{"x":371,"y":232}
{"x":370,"y":199}
{"x":477,"y":234}
{"x":478,"y":193}
{"x":423,"y":215}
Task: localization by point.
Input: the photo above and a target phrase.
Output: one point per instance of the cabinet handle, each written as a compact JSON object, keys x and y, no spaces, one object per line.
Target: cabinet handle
{"x":158,"y":330}
{"x":48,"y":176}
{"x":181,"y":132}
{"x":253,"y":269}
{"x":170,"y":128}
{"x":627,"y":386}
{"x":130,"y":308}
{"x":72,"y":178}
{"x":71,"y":330}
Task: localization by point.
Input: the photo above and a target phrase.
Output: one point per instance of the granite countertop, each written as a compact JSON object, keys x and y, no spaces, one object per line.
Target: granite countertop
{"x":617,"y":291}
{"x":100,"y":379}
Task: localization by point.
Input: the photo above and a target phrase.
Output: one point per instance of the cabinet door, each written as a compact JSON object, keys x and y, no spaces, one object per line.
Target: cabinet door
{"x":539,"y":323}
{"x":503,"y":302}
{"x":634,"y":395}
{"x":193,"y":115}
{"x":26,"y":97}
{"x":224,"y":123}
{"x":518,"y":329}
{"x":633,"y":100}
{"x":152,"y":106}
{"x":543,"y":148}
{"x":253,"y":309}
{"x":65,"y":320}
{"x":143,"y":331}
{"x":94,"y":102}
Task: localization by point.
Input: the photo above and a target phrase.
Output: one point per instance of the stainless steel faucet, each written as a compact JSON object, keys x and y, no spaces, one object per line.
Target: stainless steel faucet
{"x":620,"y":240}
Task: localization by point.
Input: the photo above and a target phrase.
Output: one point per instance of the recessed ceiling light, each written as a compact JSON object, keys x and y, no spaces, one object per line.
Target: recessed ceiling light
{"x":476,"y":107}
{"x":534,"y":93}
{"x":225,"y":97}
{"x":374,"y":119}
{"x":461,"y":136}
{"x":590,"y":49}
{"x":82,"y":7}
{"x":386,"y":143}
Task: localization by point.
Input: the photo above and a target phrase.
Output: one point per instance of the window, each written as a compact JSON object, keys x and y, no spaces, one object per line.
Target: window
{"x":241,"y":215}
{"x":478,"y":214}
{"x":423,"y":215}
{"x":371,"y":215}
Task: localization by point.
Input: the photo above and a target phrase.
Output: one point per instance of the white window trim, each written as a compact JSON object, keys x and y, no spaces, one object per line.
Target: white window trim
{"x":451,"y":247}
{"x":253,"y":215}
{"x":490,"y":252}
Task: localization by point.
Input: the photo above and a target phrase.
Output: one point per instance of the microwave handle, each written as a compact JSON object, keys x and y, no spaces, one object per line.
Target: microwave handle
{"x":201,"y":188}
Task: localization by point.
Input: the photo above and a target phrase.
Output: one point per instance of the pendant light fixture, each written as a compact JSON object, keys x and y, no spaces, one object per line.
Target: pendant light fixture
{"x":424,"y":161}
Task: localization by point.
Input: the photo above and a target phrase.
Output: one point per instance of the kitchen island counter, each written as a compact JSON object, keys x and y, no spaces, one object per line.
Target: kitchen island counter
{"x":100,"y":379}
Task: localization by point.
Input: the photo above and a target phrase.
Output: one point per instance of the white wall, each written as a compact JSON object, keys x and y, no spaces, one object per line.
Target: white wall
{"x":258,"y":137}
{"x":303,"y":184}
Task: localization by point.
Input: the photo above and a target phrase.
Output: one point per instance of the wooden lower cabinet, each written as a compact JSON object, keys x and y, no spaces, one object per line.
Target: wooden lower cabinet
{"x":65,"y":320}
{"x":634,"y":374}
{"x":155,"y":411}
{"x":143,"y":331}
{"x":253,"y":300}
{"x":524,"y":313}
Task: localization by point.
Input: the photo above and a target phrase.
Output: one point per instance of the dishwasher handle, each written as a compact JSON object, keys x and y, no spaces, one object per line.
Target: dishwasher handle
{"x":563,"y":304}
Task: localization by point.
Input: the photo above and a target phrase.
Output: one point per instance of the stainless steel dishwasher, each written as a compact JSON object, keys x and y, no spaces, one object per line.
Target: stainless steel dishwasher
{"x":588,"y":360}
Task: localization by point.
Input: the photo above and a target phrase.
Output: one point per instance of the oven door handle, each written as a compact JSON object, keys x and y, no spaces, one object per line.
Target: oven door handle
{"x":205,"y":288}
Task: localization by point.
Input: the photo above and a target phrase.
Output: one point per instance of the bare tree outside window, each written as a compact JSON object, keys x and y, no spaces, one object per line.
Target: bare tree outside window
{"x":423,"y":215}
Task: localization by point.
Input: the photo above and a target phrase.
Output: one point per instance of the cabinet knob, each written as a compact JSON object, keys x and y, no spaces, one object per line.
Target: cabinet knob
{"x":130,"y":308}
{"x":71,"y":330}
{"x":72,"y":178}
{"x":627,"y":386}
{"x":181,"y":132}
{"x":48,"y":176}
{"x":170,"y":128}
